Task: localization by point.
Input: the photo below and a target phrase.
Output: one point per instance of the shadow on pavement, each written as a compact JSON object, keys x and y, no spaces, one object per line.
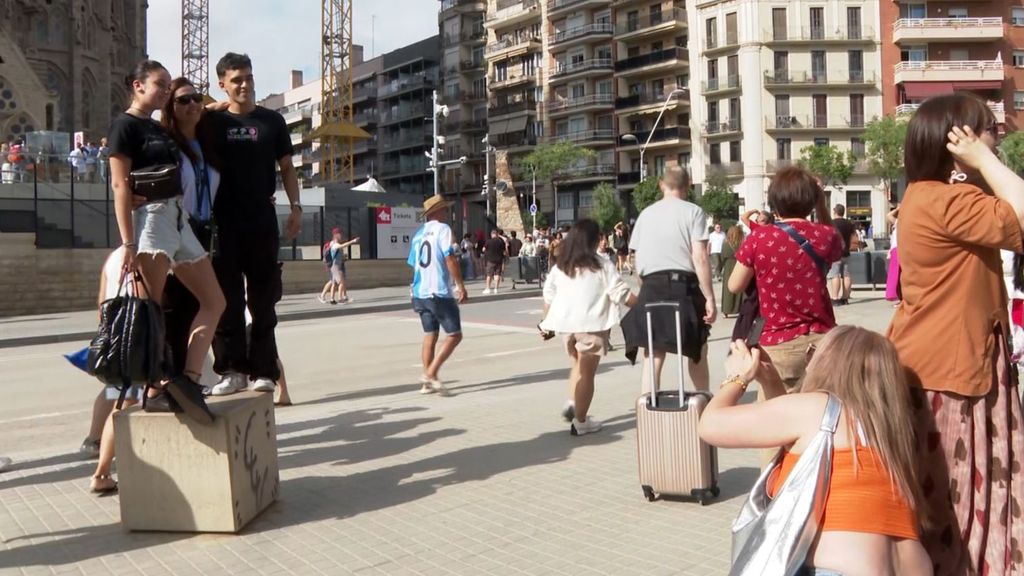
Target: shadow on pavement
{"x":80,"y":544}
{"x":79,"y":471}
{"x":314,"y":498}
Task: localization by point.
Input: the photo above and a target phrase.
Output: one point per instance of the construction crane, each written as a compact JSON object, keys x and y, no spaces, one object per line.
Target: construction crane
{"x":195,"y":43}
{"x":337,"y":132}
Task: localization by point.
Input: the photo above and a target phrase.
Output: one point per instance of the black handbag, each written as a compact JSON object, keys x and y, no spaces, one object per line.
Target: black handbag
{"x":129,"y":343}
{"x":158,"y":182}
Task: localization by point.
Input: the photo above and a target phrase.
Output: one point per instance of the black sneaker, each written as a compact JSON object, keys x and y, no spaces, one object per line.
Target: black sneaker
{"x":162,"y":402}
{"x":844,"y":302}
{"x":189,"y":396}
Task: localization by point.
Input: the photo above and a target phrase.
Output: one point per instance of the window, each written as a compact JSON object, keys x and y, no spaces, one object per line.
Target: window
{"x":857,"y":110}
{"x":655,"y":11}
{"x":1017,"y":16}
{"x":818,"y":70}
{"x":604,"y":87}
{"x":734,"y":113}
{"x":853,"y":31}
{"x":784,"y":149}
{"x":817,"y":23}
{"x":713,"y":74}
{"x":565,"y":201}
{"x":657,"y":46}
{"x":633,"y":52}
{"x":779,"y":24}
{"x":782,"y":115}
{"x":715,"y":154}
{"x":781,"y":59}
{"x":734,"y":151}
{"x":659,"y":165}
{"x":857,"y":147}
{"x":731,"y":35}
{"x":914,"y":54}
{"x":684,"y":160}
{"x":637,"y":88}
{"x":959,"y":54}
{"x":821,"y":142}
{"x":578,"y":90}
{"x":501,"y":72}
{"x":658,"y":88}
{"x":732,"y":67}
{"x":1018,"y":58}
{"x":632,"y":20}
{"x":603,"y":53}
{"x":913,"y":11}
{"x":711,"y":32}
{"x":1018,"y":100}
{"x":586,"y":198}
{"x":819,"y":104}
{"x":855,"y":59}
{"x":713,"y":112}
{"x":959,"y":12}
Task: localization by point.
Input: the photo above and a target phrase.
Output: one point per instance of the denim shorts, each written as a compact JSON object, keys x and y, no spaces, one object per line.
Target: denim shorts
{"x":436,"y":313}
{"x":162,"y":227}
{"x":839,"y":268}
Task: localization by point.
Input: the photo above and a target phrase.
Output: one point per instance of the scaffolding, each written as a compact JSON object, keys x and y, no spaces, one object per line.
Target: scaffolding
{"x":195,"y":43}
{"x":337,"y":132}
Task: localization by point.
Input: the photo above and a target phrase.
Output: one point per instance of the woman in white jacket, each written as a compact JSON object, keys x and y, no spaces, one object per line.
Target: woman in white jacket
{"x":582,"y":295}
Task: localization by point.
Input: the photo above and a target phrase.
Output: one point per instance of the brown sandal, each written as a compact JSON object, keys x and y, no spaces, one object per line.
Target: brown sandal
{"x":105,"y":488}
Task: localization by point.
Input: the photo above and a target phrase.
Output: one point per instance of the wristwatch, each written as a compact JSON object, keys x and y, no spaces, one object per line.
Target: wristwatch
{"x":297,"y":205}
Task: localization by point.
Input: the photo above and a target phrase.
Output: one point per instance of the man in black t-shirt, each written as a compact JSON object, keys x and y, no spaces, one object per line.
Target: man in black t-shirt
{"x":514,"y":245}
{"x":253,"y":143}
{"x":495,"y":251}
{"x":840,"y":284}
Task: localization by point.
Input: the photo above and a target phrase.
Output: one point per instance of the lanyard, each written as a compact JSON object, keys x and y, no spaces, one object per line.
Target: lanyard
{"x":202,"y":176}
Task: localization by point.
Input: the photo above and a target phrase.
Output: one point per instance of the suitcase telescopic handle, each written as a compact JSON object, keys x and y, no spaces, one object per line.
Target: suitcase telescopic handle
{"x":650,"y":348}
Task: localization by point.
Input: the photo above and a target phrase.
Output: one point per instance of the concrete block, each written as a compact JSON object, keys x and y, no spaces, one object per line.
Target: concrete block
{"x":177,"y":475}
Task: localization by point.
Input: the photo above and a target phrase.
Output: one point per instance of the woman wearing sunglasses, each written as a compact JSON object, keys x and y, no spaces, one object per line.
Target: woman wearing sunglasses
{"x":961,"y":207}
{"x":156,"y":235}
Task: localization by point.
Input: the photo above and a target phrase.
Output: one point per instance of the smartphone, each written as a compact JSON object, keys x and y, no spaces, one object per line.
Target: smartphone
{"x":546,"y":334}
{"x":754,"y":336}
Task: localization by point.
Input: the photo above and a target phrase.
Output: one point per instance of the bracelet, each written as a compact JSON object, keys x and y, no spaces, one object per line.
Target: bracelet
{"x":128,"y":244}
{"x":736,"y":380}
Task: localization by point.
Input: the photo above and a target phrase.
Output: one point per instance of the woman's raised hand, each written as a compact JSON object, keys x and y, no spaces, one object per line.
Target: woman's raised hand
{"x":967,"y":148}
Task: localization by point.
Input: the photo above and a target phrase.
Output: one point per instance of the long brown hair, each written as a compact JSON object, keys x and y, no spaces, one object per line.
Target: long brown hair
{"x":734,"y":236}
{"x":203,"y":132}
{"x":925,"y":154}
{"x":863,"y":370}
{"x":578,"y":251}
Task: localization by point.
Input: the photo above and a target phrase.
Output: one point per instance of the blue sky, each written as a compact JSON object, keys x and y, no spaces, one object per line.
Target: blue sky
{"x":280,"y":36}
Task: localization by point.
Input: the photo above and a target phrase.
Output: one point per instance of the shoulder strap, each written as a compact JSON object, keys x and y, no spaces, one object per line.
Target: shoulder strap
{"x":830,"y":420}
{"x":805,"y":245}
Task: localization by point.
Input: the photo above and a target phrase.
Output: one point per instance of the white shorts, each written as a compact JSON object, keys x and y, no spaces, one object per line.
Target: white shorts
{"x":162,"y":227}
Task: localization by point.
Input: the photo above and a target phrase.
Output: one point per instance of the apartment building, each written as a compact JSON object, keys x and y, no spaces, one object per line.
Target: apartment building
{"x":932,"y":48}
{"x":515,"y":82}
{"x":579,"y":99}
{"x":300,"y":106}
{"x":365,"y":115}
{"x":652,"y":77}
{"x":464,"y":91}
{"x":810,"y":76}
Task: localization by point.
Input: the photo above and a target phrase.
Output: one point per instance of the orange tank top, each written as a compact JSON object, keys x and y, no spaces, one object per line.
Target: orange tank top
{"x":862,"y":500}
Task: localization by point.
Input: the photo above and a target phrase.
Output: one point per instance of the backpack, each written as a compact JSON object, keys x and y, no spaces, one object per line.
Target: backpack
{"x":328,"y":260}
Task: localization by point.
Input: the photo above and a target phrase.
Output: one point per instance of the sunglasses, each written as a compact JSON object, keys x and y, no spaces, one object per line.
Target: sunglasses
{"x":193,"y":98}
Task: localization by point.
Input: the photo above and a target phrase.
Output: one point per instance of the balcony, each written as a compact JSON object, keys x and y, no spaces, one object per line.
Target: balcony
{"x":729,"y":127}
{"x":364,"y":92}
{"x":296,"y":138}
{"x":655,"y":100}
{"x":495,"y":110}
{"x":405,"y":85}
{"x":998,"y":110}
{"x":949,"y":71}
{"x":595,"y":30}
{"x":458,"y":126}
{"x":652,"y":61}
{"x":714,"y":85}
{"x":513,"y":46}
{"x":557,"y":6}
{"x":513,"y":140}
{"x":511,"y":12}
{"x":368,"y":118}
{"x":404,"y":167}
{"x":364,"y":146}
{"x":789,"y":80}
{"x":297,"y":115}
{"x":650,"y":24}
{"x":405,"y":139}
{"x":728,"y":169}
{"x":468,"y":36}
{"x":448,"y":6}
{"x":569,"y":105}
{"x":819,"y":36}
{"x":469,"y":97}
{"x":562,"y":71}
{"x":917,"y":30}
{"x":661,"y":137}
{"x":588,"y":136}
{"x":815,"y":123}
{"x":510,"y":80}
{"x":588,"y":172}
{"x":471,"y":65}
{"x":628,"y":178}
{"x":712,"y":45}
{"x":403,"y":113}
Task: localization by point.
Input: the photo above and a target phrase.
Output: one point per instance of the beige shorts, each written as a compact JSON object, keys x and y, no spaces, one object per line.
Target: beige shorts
{"x":595,"y":343}
{"x":790,"y":358}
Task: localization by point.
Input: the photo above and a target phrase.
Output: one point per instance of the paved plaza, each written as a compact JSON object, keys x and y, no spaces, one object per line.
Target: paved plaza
{"x":379,"y":480}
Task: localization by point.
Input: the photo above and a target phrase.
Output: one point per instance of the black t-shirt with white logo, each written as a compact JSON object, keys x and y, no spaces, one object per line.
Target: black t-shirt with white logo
{"x":250,"y":146}
{"x":142,"y":141}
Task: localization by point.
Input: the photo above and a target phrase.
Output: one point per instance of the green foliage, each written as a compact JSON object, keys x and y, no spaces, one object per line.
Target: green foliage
{"x":718,"y":199}
{"x":606,"y":209}
{"x":542,"y":220}
{"x":372,"y":204}
{"x":829,"y":163}
{"x":884,"y":139}
{"x":1012,"y":151}
{"x":646,"y":193}
{"x":549,"y":160}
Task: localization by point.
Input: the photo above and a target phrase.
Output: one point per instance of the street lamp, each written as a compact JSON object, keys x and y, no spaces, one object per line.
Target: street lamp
{"x":439,"y":110}
{"x":637,"y":140}
{"x":488,"y":150}
{"x":650,"y":136}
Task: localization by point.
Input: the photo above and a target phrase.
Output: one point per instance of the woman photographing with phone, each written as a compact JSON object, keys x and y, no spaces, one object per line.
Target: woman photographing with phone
{"x":144,"y":162}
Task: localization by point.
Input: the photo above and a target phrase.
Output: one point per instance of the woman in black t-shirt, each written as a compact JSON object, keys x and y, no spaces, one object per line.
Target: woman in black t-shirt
{"x":156,"y":234}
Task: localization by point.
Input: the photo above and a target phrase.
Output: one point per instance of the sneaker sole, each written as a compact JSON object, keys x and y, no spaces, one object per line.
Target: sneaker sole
{"x":264,"y":388}
{"x":216,"y":392}
{"x":194,"y":411}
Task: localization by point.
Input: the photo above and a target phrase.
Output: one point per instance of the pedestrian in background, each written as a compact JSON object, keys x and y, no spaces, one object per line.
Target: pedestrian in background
{"x":76,"y":158}
{"x":437,"y":291}
{"x":961,"y":207}
{"x":89,"y":150}
{"x":467,"y":249}
{"x":670,"y":240}
{"x":620,"y":243}
{"x":892,"y":279}
{"x":715,"y":241}
{"x":514,"y":245}
{"x":791,"y":286}
{"x":495,"y":252}
{"x":529,"y":249}
{"x":841,"y":283}
{"x":733,"y":241}
{"x":103,"y":160}
{"x":336,"y":252}
{"x":582,"y":295}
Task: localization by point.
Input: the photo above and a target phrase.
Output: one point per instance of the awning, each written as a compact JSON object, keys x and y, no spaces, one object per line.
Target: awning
{"x":979,"y":85}
{"x":509,"y":126}
{"x":497,"y":127}
{"x":922,"y":90}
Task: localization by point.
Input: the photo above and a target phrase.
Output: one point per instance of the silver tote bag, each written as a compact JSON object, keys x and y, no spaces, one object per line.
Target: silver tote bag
{"x":771,"y":536}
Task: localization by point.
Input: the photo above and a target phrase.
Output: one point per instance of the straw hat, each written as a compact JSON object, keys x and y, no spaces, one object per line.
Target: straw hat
{"x":435,"y":203}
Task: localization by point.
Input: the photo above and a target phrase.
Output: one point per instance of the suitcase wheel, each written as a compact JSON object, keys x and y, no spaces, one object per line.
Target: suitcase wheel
{"x":648,"y":493}
{"x":706,"y":495}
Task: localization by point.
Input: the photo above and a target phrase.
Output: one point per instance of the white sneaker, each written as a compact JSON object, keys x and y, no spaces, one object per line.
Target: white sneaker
{"x":581,"y":428}
{"x":487,"y":291}
{"x":264,"y":385}
{"x":435,"y":386}
{"x":320,"y":297}
{"x":229,"y":384}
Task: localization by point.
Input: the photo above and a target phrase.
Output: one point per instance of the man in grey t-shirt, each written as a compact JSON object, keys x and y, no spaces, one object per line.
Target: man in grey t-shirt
{"x":671,"y":243}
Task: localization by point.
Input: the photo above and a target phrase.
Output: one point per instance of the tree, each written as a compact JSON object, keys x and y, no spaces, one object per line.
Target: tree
{"x":718,"y":199}
{"x":606,"y":209}
{"x":549,"y":161}
{"x":829,"y":163}
{"x":1012,"y":151}
{"x":884,"y":138}
{"x":647,"y":192}
{"x":542,"y":219}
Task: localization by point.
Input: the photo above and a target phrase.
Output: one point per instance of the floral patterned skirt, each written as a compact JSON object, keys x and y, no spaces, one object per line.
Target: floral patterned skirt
{"x":971,"y":452}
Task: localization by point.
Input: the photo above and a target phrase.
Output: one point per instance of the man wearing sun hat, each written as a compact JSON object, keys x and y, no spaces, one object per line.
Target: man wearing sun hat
{"x":437,"y":290}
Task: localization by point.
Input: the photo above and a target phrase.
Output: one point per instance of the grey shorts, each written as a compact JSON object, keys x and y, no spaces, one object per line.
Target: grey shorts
{"x":162,"y":227}
{"x":839,"y":268}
